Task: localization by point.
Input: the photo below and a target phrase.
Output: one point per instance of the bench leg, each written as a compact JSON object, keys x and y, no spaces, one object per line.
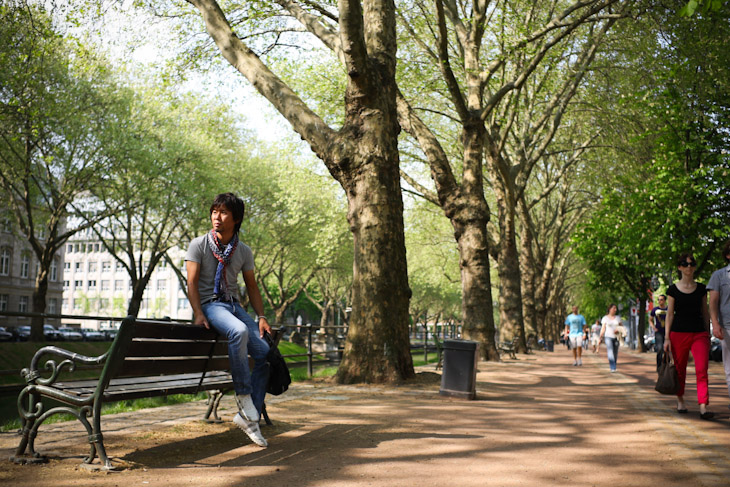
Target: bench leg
{"x":265,"y":414}
{"x":214,"y":400}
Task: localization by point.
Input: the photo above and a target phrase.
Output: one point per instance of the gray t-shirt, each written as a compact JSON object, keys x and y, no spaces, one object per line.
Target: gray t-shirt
{"x":720,"y":282}
{"x":241,"y":260}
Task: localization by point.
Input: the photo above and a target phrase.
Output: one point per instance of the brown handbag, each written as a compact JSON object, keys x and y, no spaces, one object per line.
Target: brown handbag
{"x":667,"y":382}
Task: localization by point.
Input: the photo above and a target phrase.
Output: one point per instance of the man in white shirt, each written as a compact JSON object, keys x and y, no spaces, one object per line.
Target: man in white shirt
{"x":719,"y":288}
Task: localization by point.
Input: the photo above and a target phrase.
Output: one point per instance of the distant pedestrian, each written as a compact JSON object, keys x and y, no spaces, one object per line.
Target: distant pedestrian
{"x":596,"y":336}
{"x":574,"y":330}
{"x":719,"y":287}
{"x":658,"y":322}
{"x":610,"y":335}
{"x":688,"y":323}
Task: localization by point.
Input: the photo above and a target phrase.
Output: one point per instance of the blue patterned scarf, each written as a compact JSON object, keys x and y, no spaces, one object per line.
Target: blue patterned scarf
{"x":224,"y":258}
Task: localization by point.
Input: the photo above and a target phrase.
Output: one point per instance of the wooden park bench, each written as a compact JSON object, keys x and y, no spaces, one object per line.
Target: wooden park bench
{"x":509,"y":347}
{"x":147,"y":358}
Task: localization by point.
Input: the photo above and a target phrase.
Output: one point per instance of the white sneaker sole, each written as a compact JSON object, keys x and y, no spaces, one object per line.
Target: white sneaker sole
{"x":251,"y":429}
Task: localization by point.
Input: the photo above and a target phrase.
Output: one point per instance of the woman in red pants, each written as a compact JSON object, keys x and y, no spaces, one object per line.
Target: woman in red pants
{"x":687,"y":326}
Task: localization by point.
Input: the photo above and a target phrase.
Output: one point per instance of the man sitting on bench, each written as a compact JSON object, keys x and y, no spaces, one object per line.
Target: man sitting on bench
{"x":213,"y":262}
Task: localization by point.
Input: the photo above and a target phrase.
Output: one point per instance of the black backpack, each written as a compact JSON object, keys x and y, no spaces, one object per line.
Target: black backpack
{"x":279,"y":378}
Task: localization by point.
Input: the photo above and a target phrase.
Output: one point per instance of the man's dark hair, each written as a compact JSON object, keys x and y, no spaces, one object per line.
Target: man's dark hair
{"x":725,"y":251}
{"x":232,"y":203}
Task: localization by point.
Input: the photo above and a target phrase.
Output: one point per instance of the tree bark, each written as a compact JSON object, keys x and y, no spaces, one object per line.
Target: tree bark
{"x":508,"y":268}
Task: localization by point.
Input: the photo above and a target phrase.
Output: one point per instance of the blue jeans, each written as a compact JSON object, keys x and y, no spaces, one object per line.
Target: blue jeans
{"x":242,"y":332}
{"x":659,"y":345}
{"x":612,"y":351}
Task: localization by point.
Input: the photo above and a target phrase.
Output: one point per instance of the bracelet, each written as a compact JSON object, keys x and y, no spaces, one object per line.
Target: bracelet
{"x":258,"y":317}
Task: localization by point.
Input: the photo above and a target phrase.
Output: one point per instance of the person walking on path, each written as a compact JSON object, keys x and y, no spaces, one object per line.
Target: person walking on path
{"x":609,"y":335}
{"x":213,"y":262}
{"x":658,"y":321}
{"x":596,"y":336}
{"x":687,"y":326}
{"x":719,"y":287}
{"x":574,"y":329}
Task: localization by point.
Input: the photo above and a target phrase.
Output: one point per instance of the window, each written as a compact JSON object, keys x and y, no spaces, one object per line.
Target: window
{"x":162,"y":264}
{"x":118,"y":285}
{"x":76,"y":304}
{"x":4,"y":302}
{"x":52,"y":305}
{"x":78,"y":267}
{"x":92,"y":266}
{"x":78,"y":284}
{"x":97,"y":247}
{"x":25,"y":265}
{"x":92,"y":285}
{"x":66,"y":284}
{"x":76,"y":247}
{"x":7,"y":227}
{"x":103,"y":303}
{"x":54,"y":270}
{"x":41,"y":233}
{"x":23,"y":304}
{"x":65,"y":303}
{"x":66,"y":266}
{"x":183,"y":303}
{"x":119,"y":267}
{"x":105,"y":285}
{"x":5,"y":255}
{"x":161,"y":284}
{"x":69,"y":248}
{"x":106,"y":266}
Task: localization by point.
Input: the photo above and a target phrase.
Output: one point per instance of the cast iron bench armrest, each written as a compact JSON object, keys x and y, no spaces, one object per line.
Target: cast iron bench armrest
{"x":32,"y":375}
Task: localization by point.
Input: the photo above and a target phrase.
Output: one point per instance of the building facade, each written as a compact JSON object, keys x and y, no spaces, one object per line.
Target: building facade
{"x":95,"y":283}
{"x":18,"y":271}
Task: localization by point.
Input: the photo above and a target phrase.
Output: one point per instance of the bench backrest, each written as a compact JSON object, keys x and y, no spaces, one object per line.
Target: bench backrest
{"x":145,"y":348}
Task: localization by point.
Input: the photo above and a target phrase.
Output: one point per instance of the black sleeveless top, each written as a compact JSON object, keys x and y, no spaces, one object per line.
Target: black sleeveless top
{"x":688,"y":309}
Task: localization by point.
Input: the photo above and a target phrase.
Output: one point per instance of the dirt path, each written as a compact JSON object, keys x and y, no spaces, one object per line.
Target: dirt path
{"x":537,"y":421}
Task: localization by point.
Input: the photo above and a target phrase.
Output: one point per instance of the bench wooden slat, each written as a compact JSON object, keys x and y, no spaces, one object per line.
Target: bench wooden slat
{"x":162,"y":330}
{"x":181,"y":365}
{"x":167,"y":348}
{"x":118,"y":387}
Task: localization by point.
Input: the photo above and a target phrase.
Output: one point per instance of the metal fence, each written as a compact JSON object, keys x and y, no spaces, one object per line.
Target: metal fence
{"x":421,"y":338}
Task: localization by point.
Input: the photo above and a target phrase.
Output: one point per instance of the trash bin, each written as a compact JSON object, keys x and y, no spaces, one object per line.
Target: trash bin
{"x":550,"y":345}
{"x":460,"y":369}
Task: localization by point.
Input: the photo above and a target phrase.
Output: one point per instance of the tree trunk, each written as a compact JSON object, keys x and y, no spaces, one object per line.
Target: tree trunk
{"x":363,"y":157}
{"x":476,"y":286}
{"x":135,"y":302}
{"x":377,"y":347}
{"x":508,"y":266}
{"x":528,"y":273}
{"x":39,"y":305}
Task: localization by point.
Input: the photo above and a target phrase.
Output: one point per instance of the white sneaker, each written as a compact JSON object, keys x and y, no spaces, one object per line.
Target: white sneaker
{"x":251,"y":428}
{"x":575,"y":363}
{"x":580,"y":362}
{"x":246,"y":408}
